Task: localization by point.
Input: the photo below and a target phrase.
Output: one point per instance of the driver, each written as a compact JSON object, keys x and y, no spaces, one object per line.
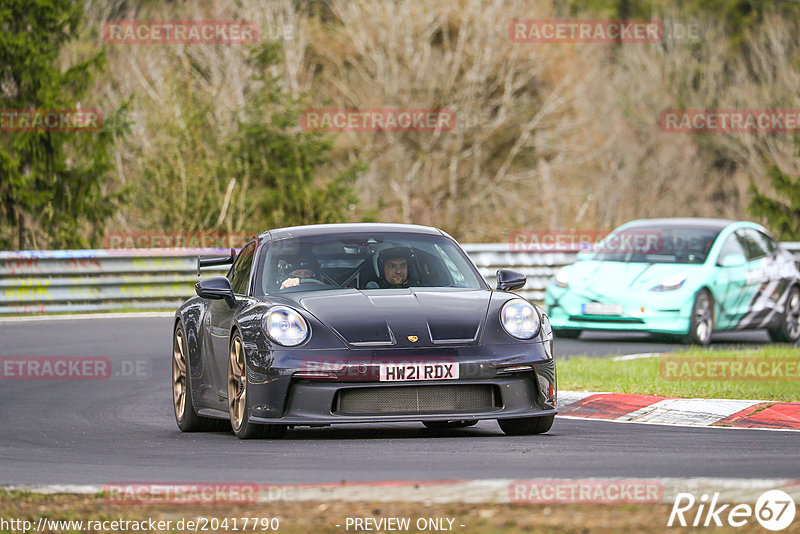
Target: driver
{"x":299,"y":268}
{"x":393,"y":266}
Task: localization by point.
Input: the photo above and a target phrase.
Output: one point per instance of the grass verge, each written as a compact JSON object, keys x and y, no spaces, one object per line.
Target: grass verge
{"x":676,"y":375}
{"x":323,"y":517}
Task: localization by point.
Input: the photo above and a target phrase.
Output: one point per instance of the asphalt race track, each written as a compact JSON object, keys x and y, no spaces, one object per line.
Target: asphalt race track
{"x":605,"y":343}
{"x":122,"y":428}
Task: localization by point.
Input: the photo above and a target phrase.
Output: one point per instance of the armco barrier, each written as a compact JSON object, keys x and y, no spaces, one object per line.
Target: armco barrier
{"x":160,"y":279}
{"x":96,"y":280}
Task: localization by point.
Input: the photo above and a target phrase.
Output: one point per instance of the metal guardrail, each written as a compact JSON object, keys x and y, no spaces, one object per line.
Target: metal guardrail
{"x":96,"y":280}
{"x":539,"y":267}
{"x":160,"y":279}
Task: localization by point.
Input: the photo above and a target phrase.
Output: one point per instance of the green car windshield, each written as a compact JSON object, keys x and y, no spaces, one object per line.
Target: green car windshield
{"x":657,"y":244}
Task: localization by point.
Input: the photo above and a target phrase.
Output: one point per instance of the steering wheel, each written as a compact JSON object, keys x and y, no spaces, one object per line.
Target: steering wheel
{"x":310,"y":281}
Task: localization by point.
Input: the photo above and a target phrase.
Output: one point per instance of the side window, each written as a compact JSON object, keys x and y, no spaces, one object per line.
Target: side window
{"x":731,"y":247}
{"x":455,"y":274}
{"x":752,"y":244}
{"x":766,"y":242}
{"x":240,"y":272}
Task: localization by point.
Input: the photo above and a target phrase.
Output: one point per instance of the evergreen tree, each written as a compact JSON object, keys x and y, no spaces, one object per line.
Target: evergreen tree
{"x":52,"y":183}
{"x":283,"y":162}
{"x":261,"y":172}
{"x":781,"y":213}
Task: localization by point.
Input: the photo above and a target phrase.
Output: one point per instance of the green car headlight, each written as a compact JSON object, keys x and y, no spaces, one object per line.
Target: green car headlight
{"x":670,"y":284}
{"x":561,"y":279}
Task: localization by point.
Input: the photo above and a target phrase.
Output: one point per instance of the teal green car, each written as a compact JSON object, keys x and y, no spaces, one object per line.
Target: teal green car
{"x":682,"y":278}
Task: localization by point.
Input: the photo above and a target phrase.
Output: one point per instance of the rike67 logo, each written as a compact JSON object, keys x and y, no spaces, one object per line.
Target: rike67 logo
{"x":774,"y":510}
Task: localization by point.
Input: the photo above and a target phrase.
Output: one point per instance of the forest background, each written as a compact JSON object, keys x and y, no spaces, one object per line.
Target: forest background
{"x":548,"y":136}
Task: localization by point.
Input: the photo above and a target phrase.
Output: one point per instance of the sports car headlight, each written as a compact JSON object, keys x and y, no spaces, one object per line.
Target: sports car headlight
{"x":519,"y":319}
{"x":561,"y":279}
{"x":670,"y":284}
{"x":285,"y":326}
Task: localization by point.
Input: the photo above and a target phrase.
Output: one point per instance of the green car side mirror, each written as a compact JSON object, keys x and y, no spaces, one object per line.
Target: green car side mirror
{"x":733,"y":260}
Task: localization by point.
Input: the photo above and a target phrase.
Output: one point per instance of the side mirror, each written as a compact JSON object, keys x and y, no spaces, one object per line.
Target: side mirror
{"x":733,"y":260}
{"x":216,"y":288}
{"x":509,"y":279}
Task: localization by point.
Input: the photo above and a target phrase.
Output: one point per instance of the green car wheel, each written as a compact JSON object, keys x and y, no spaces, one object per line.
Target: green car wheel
{"x":702,"y":320}
{"x":788,"y":331}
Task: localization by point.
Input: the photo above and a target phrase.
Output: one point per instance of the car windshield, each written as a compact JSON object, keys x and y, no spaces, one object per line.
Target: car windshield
{"x":364,"y":261}
{"x":647,"y":243}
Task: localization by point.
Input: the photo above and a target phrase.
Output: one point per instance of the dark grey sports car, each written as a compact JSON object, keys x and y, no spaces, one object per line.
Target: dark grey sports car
{"x":359,"y":323}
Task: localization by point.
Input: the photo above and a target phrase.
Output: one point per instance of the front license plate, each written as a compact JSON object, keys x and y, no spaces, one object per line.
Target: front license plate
{"x":418,"y":371}
{"x":600,"y":308}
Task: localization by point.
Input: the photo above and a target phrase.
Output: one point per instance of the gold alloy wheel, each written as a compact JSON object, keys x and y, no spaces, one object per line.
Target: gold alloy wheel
{"x":237,"y":383}
{"x":179,"y":374}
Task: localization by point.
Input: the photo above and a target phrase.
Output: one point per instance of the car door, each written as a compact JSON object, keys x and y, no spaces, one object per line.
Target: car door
{"x":776,"y":279}
{"x":759,"y":286}
{"x":220,"y":316}
{"x":728,"y":285}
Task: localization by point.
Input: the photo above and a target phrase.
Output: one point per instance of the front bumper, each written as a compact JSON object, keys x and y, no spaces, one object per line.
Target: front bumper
{"x":280,"y":397}
{"x":667,"y":313}
{"x":315,"y":403}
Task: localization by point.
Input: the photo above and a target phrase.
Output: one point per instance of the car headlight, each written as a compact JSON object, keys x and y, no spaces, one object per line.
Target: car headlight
{"x":285,"y":326}
{"x":520,"y":319}
{"x":670,"y":284}
{"x":561,"y":279}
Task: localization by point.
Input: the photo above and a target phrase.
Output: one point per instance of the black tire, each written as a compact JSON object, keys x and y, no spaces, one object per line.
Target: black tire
{"x":185,"y":414}
{"x":788,"y":330}
{"x":526,"y":425}
{"x":239,"y":402}
{"x":444,"y":425}
{"x":701,"y":324}
{"x":567,"y":333}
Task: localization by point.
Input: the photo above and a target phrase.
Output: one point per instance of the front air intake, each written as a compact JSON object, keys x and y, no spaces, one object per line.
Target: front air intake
{"x":398,"y":400}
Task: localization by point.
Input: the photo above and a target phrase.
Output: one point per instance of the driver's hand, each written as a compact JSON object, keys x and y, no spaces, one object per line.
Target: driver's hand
{"x":290,"y":282}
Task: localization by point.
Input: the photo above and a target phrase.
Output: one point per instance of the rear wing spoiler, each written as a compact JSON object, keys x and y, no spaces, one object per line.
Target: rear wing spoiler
{"x":213,"y":262}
